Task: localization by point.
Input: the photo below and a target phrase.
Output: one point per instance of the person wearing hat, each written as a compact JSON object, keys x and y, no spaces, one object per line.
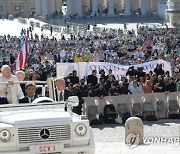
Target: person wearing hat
{"x":30,"y":89}
{"x":11,"y":91}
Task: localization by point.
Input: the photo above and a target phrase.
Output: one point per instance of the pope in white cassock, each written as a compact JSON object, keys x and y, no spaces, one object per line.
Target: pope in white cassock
{"x":11,"y":91}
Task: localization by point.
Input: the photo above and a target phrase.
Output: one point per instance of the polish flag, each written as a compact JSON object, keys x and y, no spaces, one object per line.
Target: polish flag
{"x":21,"y":60}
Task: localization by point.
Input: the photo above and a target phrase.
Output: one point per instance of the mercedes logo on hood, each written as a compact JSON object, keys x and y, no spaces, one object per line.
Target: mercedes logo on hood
{"x":45,"y":133}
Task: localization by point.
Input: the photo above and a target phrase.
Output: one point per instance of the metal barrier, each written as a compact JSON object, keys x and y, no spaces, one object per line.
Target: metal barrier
{"x":35,"y":24}
{"x":129,"y":100}
{"x":22,"y":20}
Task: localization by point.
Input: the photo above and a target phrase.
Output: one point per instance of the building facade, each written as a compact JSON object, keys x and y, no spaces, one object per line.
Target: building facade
{"x":48,"y":7}
{"x":83,"y":8}
{"x":115,"y":7}
{"x":17,"y":7}
{"x":174,"y":12}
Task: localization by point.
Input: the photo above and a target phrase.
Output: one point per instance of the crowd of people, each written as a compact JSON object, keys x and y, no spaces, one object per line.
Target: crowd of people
{"x":100,"y":45}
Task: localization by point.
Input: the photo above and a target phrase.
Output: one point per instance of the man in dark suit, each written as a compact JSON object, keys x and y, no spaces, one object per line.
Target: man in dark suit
{"x":3,"y":100}
{"x":101,"y":91}
{"x":92,"y":79}
{"x":74,"y":79}
{"x":30,"y":89}
{"x":57,"y":58}
{"x":61,"y":94}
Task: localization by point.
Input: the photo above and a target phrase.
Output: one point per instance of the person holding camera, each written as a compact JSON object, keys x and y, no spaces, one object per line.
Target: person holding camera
{"x":159,"y":86}
{"x":31,"y":75}
{"x":131,"y":71}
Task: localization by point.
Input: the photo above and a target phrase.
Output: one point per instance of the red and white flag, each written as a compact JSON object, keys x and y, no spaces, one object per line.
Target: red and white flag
{"x":21,"y":60}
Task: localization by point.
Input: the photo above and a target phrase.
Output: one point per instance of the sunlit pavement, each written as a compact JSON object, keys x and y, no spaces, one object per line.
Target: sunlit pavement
{"x":121,"y":148}
{"x":14,"y":27}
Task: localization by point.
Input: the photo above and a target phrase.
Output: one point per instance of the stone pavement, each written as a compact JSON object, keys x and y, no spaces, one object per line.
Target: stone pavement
{"x":121,"y":148}
{"x":14,"y":27}
{"x":119,"y":19}
{"x":110,"y":138}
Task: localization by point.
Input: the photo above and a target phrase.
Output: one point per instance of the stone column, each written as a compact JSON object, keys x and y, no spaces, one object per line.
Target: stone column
{"x":53,"y":6}
{"x":143,"y":7}
{"x":111,"y":7}
{"x":94,"y":7}
{"x":59,"y":5}
{"x":156,"y":5}
{"x":127,"y":6}
{"x":79,"y":8}
{"x":45,"y":8}
{"x":69,"y":7}
{"x":38,"y":7}
{"x":4,"y":8}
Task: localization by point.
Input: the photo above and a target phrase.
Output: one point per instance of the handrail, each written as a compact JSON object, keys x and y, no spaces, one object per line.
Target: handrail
{"x":24,"y":82}
{"x":40,"y":84}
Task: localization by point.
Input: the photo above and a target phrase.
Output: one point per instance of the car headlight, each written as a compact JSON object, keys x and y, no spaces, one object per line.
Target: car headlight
{"x":5,"y":135}
{"x":81,"y":130}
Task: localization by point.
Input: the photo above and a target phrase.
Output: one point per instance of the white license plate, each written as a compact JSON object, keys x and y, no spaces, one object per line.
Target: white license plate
{"x":49,"y":148}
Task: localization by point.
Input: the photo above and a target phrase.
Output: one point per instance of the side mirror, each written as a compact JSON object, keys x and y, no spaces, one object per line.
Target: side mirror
{"x":73,"y":100}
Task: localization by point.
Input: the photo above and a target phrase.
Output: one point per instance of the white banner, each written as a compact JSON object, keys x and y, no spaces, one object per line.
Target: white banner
{"x":84,"y":69}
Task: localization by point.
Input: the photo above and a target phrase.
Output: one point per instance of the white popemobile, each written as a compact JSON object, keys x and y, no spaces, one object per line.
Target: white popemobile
{"x":44,"y":126}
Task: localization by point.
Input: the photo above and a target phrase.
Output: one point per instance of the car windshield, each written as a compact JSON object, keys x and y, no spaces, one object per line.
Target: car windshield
{"x":48,"y":105}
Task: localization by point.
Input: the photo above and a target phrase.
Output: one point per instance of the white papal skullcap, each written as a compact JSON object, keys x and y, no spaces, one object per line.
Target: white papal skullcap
{"x":60,"y":78}
{"x":20,"y":71}
{"x":4,"y":67}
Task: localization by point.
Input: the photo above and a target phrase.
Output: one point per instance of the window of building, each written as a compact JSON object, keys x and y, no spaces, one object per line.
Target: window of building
{"x":1,"y":8}
{"x":17,"y":8}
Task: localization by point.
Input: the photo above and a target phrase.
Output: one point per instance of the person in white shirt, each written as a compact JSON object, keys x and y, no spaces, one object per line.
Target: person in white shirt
{"x":136,"y":89}
{"x":63,"y":55}
{"x":11,"y":91}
